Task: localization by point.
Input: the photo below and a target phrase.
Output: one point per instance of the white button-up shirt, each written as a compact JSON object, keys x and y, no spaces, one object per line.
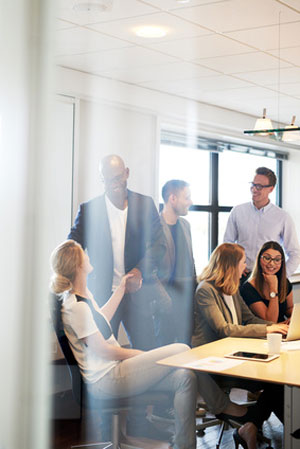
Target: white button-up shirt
{"x":251,"y":228}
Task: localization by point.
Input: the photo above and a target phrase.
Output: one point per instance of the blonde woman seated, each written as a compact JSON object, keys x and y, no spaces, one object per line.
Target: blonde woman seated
{"x":268,"y":292}
{"x":221,"y":312}
{"x":109,"y":370}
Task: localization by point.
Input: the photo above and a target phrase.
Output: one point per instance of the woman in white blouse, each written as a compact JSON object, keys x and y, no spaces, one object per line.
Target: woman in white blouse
{"x":109,"y":370}
{"x":221,"y":312}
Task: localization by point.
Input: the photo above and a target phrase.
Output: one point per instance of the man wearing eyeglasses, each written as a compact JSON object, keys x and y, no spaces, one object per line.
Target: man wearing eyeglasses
{"x":254,"y":223}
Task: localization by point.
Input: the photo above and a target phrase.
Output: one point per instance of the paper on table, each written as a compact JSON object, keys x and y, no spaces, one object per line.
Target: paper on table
{"x":213,"y":364}
{"x":290,"y":345}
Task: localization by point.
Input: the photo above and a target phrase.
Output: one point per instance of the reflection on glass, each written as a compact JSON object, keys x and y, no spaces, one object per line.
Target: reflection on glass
{"x":188,"y":164}
{"x":236,"y":170}
{"x":199,"y":228}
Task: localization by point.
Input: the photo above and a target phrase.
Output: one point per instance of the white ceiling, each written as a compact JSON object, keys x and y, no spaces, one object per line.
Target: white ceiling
{"x":239,"y":54}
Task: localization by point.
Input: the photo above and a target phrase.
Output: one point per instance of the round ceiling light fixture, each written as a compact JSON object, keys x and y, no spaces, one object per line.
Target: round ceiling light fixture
{"x":93,"y":5}
{"x":150,"y":31}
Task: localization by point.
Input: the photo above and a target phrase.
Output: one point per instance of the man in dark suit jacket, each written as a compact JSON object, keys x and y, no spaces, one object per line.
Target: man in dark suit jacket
{"x":143,"y":245}
{"x":177,"y":269}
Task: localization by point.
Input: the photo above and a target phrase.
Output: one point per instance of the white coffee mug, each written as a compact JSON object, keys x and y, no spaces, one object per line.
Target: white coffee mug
{"x":274,"y":343}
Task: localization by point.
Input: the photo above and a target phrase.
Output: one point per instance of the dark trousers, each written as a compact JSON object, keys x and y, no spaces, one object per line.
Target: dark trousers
{"x":270,"y":400}
{"x":138,"y":324}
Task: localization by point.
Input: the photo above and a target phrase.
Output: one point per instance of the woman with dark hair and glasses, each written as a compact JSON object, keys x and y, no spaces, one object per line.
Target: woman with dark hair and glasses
{"x":268,"y":292}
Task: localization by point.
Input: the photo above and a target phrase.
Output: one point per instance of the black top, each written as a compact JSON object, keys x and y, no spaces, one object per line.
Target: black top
{"x":251,"y":295}
{"x":100,"y":321}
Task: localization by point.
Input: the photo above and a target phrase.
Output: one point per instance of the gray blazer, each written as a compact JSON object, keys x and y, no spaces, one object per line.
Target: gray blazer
{"x":213,"y":319}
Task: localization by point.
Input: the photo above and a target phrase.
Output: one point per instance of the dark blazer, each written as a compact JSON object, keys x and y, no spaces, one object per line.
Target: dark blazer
{"x":144,"y":241}
{"x":213,"y":319}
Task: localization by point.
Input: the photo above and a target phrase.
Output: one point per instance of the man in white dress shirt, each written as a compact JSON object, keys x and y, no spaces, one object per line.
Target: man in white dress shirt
{"x":122,"y":233}
{"x":254,"y":223}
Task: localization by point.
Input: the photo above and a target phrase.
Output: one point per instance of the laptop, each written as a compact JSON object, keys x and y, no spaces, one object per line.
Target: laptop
{"x":294,"y":327}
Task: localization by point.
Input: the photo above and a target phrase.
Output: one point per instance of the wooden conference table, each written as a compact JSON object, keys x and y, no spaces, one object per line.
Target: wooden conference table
{"x":283,"y":370}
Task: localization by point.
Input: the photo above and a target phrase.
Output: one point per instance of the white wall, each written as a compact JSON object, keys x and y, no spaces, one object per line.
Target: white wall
{"x":106,"y":129}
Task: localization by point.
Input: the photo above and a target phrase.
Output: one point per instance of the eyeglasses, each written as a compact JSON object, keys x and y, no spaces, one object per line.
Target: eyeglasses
{"x":259,"y":186}
{"x":277,"y":260}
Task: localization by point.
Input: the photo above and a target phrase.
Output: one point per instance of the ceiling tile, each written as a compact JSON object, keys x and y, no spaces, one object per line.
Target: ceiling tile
{"x":291,"y":55}
{"x":267,"y":77}
{"x":238,"y":14}
{"x":292,"y":89}
{"x":292,"y":3}
{"x":169,"y":5}
{"x":80,"y":40}
{"x":165,"y":72}
{"x":202,"y":47}
{"x":242,"y":63}
{"x":114,"y":59}
{"x":192,"y":61}
{"x":125,"y":29}
{"x":268,"y":37}
{"x":215,"y":83}
{"x":63,"y":25}
{"x":120,"y":10}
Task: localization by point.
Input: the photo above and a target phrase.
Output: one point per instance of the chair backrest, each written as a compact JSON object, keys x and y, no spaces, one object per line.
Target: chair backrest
{"x":79,"y":392}
{"x":55,"y":310}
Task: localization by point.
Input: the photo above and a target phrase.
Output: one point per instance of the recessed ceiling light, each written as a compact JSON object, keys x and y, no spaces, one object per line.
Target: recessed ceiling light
{"x":93,"y":5}
{"x":150,"y":31}
{"x":183,"y":1}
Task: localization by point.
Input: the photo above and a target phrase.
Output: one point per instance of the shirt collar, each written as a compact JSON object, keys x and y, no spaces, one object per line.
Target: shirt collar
{"x":263,"y":209}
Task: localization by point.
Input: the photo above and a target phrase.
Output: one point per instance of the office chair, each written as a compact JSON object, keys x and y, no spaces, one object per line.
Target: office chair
{"x":211,"y":421}
{"x":110,"y":407}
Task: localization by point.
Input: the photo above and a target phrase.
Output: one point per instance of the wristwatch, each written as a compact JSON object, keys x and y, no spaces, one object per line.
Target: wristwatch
{"x":273,"y":294}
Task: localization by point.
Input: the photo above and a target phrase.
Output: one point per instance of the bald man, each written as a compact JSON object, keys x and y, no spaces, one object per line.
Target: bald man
{"x":122,"y":233}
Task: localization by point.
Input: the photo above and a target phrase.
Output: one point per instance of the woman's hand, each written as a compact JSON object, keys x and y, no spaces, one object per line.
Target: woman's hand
{"x":279,"y":328}
{"x":272,"y":282}
{"x":134,"y":281}
{"x":124,"y":280}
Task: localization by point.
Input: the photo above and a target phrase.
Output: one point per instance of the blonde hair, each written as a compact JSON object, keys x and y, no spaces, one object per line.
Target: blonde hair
{"x":65,"y":259}
{"x":222,"y":268}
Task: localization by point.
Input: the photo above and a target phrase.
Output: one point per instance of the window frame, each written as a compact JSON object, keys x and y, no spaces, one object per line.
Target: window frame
{"x":215,"y":147}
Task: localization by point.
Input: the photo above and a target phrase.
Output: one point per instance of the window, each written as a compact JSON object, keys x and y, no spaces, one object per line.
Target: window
{"x":218,"y":180}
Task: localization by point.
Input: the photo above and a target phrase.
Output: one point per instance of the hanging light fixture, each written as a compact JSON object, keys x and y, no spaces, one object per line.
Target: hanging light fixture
{"x":264,"y":127}
{"x":291,"y":136}
{"x":262,"y":124}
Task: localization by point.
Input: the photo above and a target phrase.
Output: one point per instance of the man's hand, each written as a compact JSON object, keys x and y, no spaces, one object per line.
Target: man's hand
{"x":134,"y":282}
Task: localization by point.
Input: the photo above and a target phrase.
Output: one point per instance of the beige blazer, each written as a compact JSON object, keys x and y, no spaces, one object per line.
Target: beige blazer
{"x":213,"y":319}
{"x":168,"y":260}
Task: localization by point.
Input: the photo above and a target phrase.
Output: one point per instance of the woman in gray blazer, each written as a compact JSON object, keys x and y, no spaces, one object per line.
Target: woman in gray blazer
{"x":221,"y":312}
